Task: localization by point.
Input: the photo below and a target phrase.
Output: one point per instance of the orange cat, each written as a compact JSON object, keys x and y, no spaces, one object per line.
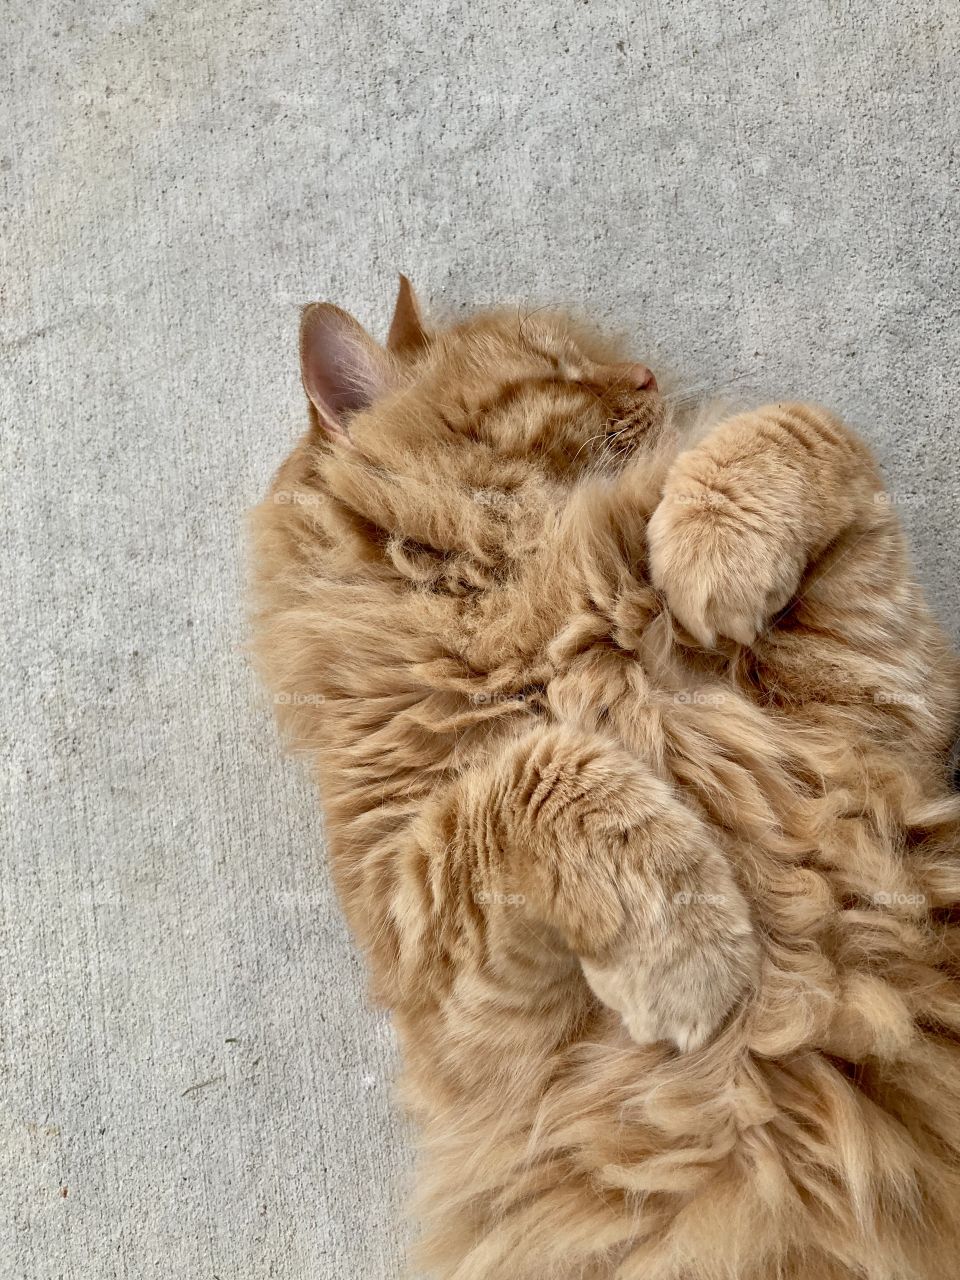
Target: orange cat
{"x":632,"y":751}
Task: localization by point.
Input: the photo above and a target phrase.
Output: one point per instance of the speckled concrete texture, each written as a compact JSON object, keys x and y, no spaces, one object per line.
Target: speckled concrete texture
{"x":765,"y":195}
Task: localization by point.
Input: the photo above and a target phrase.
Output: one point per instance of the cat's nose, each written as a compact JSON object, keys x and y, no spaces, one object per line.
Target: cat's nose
{"x":640,"y":377}
{"x":631,"y":376}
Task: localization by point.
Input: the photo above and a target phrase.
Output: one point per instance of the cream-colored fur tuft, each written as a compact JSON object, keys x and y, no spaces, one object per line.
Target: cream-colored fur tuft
{"x":633,"y":747}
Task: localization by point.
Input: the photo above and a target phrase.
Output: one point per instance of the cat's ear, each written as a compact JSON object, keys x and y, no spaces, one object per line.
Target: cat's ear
{"x":343,"y":369}
{"x":408,"y":334}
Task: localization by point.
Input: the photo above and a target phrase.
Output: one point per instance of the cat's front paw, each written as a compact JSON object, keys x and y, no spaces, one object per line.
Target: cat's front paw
{"x":681,"y":985}
{"x":724,"y":567}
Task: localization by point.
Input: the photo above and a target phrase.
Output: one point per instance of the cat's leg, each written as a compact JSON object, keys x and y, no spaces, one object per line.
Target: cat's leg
{"x":745,"y":512}
{"x":573,"y":842}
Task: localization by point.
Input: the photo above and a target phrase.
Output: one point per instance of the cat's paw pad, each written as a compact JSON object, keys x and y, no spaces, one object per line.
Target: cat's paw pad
{"x":722,"y":572}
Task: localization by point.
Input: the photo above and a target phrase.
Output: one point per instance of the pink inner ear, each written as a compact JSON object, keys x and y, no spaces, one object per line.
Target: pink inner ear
{"x":343,"y":369}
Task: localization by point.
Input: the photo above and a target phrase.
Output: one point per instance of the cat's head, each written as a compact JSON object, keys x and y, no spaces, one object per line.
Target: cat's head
{"x":448,"y":446}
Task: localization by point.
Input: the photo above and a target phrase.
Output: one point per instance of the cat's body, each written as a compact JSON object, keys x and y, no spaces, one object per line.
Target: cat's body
{"x":597,"y":716}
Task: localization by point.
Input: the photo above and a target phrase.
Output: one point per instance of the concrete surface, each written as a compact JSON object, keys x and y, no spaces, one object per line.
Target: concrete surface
{"x":193,"y":1085}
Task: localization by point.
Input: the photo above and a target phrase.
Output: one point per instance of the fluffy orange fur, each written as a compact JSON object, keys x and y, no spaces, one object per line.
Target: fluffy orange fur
{"x":631,"y":736}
